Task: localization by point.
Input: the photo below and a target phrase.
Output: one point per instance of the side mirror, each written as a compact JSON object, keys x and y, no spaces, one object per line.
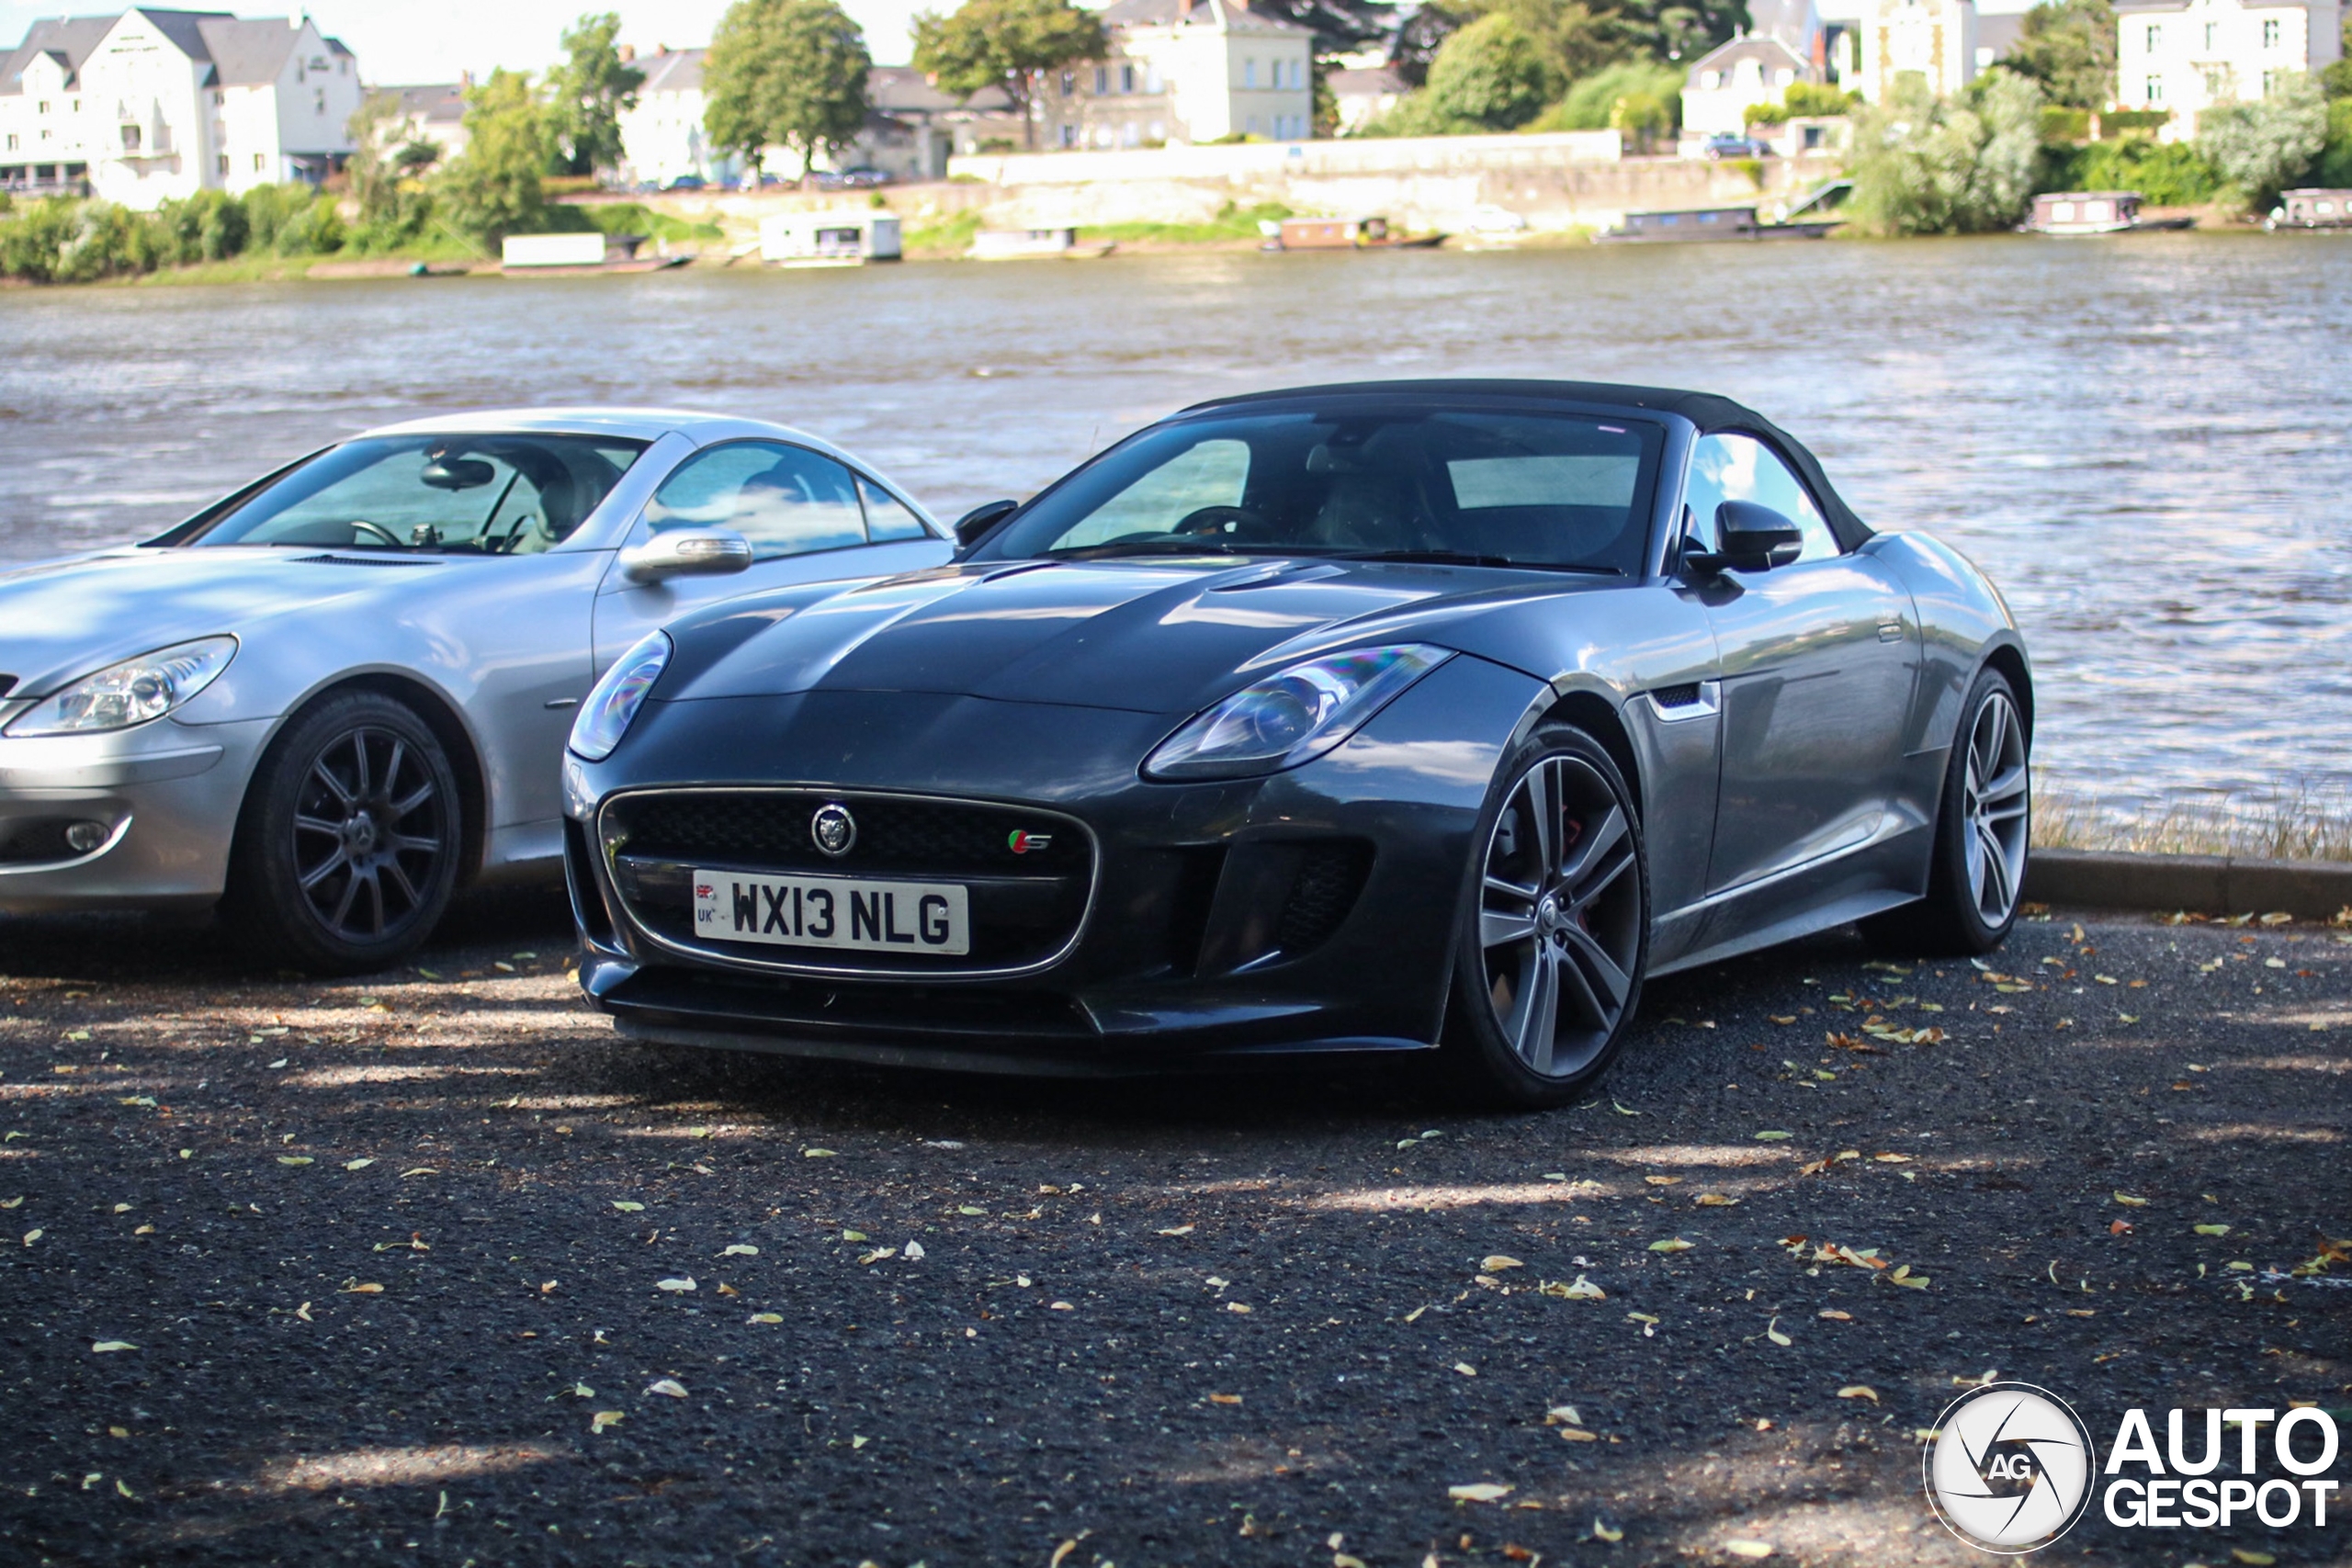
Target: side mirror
{"x":686,"y":552}
{"x":1753,"y":538}
{"x":979,"y":523}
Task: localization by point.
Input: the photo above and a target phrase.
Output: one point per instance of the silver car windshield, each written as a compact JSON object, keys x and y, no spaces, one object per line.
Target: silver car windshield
{"x":1502,"y":487}
{"x":486,"y":493}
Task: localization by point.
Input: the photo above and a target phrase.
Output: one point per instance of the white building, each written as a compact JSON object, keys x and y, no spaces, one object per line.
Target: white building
{"x":1184,"y":71}
{"x":1933,"y":39}
{"x":2187,"y":55}
{"x":1364,"y":94}
{"x":432,"y":112}
{"x":1726,"y":80}
{"x":662,"y":138}
{"x":151,"y":104}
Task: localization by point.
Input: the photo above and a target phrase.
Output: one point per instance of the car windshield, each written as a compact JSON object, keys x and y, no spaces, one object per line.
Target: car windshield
{"x":1516,"y":488}
{"x":509,"y":494}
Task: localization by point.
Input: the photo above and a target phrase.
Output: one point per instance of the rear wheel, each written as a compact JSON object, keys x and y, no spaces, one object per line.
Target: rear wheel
{"x":1984,"y":821}
{"x":1549,"y":961}
{"x":347,"y":849}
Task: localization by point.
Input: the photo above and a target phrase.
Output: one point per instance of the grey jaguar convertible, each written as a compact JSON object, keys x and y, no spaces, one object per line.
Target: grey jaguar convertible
{"x":1426,"y":717}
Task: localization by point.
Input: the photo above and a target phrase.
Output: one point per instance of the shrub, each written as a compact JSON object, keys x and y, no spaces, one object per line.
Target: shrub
{"x":2261,"y":146}
{"x":2334,"y":166}
{"x":1589,"y":102}
{"x":1928,"y":166}
{"x":2168,"y":173}
{"x":1492,"y":74}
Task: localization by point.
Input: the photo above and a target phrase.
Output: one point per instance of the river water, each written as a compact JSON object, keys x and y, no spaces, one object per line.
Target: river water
{"x":2143,"y":438}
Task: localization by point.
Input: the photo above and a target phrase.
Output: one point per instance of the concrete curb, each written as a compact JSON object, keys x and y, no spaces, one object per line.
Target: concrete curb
{"x":2213,"y":885}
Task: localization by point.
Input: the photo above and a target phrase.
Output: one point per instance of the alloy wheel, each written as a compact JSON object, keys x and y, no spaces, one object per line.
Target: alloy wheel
{"x":1560,"y":916}
{"x":370,"y":828}
{"x":1995,"y":797}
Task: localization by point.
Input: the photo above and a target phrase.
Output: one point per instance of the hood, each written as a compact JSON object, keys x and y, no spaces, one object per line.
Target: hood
{"x":60,"y":621}
{"x":1148,"y":636}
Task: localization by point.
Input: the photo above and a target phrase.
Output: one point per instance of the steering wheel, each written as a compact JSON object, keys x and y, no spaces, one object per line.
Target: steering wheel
{"x":380,"y":531}
{"x":1218,"y":520}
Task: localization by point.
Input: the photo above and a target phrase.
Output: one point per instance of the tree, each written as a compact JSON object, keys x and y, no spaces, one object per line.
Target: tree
{"x":2068,"y":45}
{"x":785,"y":73}
{"x":1490,"y":73}
{"x":2261,"y":146}
{"x":1928,"y":166}
{"x":374,"y":169}
{"x":1591,"y":102}
{"x":588,"y":93}
{"x":1006,"y":44}
{"x":492,"y":188}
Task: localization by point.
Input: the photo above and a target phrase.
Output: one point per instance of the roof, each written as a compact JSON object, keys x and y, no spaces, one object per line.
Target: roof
{"x":1768,"y":51}
{"x":1999,"y":33}
{"x":902,"y":89}
{"x":630,"y":423}
{"x":1223,"y":14}
{"x":673,"y":70}
{"x":245,"y":53}
{"x":1366,"y":83}
{"x":70,"y":39}
{"x":1708,"y":411}
{"x":431,"y":102}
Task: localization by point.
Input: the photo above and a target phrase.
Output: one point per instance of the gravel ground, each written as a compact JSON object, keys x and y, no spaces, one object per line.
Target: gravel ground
{"x":431,"y":1269}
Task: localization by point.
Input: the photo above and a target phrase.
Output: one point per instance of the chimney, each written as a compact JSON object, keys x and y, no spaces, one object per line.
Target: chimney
{"x":628,"y":54}
{"x":1239,"y":5}
{"x":1183,"y":10}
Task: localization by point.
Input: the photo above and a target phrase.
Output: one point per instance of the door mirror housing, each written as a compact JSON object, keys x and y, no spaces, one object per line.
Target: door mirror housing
{"x":1752,"y":537}
{"x":982,"y":521}
{"x":686,"y":552}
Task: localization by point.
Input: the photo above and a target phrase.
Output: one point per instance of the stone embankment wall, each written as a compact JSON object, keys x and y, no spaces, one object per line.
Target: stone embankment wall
{"x":1556,"y":182}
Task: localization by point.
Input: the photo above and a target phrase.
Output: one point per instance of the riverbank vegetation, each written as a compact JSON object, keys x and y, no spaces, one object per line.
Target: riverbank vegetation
{"x":2298,"y":824}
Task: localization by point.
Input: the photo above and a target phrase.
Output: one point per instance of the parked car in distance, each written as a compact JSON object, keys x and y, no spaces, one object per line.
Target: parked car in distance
{"x":1417,"y":717}
{"x":331,"y":698}
{"x":1729,"y":145}
{"x":685,"y":182}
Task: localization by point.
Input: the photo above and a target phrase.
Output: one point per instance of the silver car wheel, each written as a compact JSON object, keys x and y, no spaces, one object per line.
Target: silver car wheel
{"x":1559,"y":915}
{"x":1994,"y":800}
{"x":370,"y":830}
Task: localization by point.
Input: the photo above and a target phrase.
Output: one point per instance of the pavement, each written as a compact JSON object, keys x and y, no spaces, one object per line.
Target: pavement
{"x":431,"y":1269}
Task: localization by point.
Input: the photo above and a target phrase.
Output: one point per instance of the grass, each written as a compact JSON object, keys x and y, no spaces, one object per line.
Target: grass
{"x":948,"y":238}
{"x":1232,"y":223}
{"x":2296,"y":825}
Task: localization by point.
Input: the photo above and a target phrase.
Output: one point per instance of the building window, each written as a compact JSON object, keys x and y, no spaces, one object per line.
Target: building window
{"x":2270,"y":33}
{"x":1710,"y":79}
{"x":1249,"y":79}
{"x":130,"y":139}
{"x":44,"y":106}
{"x":323,"y":100}
{"x":258,"y":165}
{"x":2211,"y":30}
{"x":2155,"y":37}
{"x":1151,"y":79}
{"x":2155,"y":89}
{"x":1101,"y":80}
{"x":12,"y":142}
{"x":224,"y":165}
{"x":1069,"y":136}
{"x":1127,"y":78}
{"x":1069,"y":82}
{"x":2269,"y":82}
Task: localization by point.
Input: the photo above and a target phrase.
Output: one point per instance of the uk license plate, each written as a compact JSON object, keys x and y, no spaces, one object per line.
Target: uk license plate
{"x":838,"y":912}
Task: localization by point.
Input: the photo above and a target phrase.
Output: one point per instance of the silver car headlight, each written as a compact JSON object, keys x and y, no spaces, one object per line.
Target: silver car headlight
{"x":613,"y":702}
{"x":1293,"y":717}
{"x":132,"y":692}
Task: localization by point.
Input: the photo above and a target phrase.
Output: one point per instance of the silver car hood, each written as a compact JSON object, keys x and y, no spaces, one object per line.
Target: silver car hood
{"x":63,"y":620}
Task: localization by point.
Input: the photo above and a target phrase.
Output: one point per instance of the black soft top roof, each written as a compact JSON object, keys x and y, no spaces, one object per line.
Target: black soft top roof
{"x":1709,"y":412}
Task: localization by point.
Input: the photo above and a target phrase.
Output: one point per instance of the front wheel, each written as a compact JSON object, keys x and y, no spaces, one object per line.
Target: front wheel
{"x":1984,"y":824}
{"x":347,"y":849}
{"x":1555,"y":934}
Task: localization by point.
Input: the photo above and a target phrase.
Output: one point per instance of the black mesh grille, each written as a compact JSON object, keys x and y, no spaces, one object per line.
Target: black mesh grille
{"x":1028,"y":873}
{"x":1680,"y":697}
{"x":1329,"y":879}
{"x":30,"y":843}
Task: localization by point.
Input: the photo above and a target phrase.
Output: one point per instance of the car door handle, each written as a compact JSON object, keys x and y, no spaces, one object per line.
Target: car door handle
{"x":565,"y":703}
{"x":1890,"y":631}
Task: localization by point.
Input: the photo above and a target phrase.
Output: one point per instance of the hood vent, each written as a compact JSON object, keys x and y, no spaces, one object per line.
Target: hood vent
{"x":331,"y":560}
{"x":7,"y":684}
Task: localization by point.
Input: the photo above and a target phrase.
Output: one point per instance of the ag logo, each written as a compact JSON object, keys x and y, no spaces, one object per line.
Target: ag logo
{"x":2010,"y":1469}
{"x":833,"y":828}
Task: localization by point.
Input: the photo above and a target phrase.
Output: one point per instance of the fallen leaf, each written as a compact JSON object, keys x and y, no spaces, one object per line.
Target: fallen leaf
{"x":877,"y":1255}
{"x":1579,"y":1434}
{"x":1495,"y":1263}
{"x":1772,"y":1332}
{"x":368,"y":1289}
{"x":628,"y":1206}
{"x":977,"y":1212}
{"x":1773,"y":1137}
{"x":1834,"y":1315}
{"x":1465,"y":1368}
{"x":1753,"y":1549}
{"x":1064,"y":1306}
{"x":1225,"y":1399}
{"x":852,"y":1235}
{"x":1583,"y":1290}
{"x":2128,"y":1202}
{"x":419,"y":1170}
{"x":739,"y":1249}
{"x":1562,"y":1415}
{"x":767,"y":1318}
{"x":107,"y":1346}
{"x":1479,"y":1492}
{"x":2252,"y":1559}
{"x":1672,"y":1243}
{"x":357,"y":1164}
{"x":303,"y":1312}
{"x":2213,"y":1230}
{"x":1661,"y":1181}
{"x":1715,"y":1200}
{"x":1178,"y":1230}
{"x":817,"y":1153}
{"x":1061,"y":1554}
{"x":672,"y":1387}
{"x":2119,"y":1227}
{"x":604,"y":1418}
{"x":1235,"y":1306}
{"x":295,"y":1159}
{"x":1858,"y":1391}
{"x":1603,"y":1530}
{"x":678,"y":1286}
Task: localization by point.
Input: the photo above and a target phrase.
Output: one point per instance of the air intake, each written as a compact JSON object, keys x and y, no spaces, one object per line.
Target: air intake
{"x":331,"y":560}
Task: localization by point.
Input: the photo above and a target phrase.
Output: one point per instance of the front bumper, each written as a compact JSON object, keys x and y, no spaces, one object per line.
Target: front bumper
{"x":161,"y":798}
{"x":1192,"y":949}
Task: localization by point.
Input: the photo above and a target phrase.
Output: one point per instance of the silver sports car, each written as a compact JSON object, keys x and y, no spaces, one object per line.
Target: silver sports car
{"x":330,"y":699}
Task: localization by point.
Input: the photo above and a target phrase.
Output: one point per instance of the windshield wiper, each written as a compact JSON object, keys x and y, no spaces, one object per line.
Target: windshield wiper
{"x":1466,"y":558}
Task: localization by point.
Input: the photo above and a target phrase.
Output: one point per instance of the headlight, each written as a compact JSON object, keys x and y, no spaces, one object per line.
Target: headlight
{"x":1291,"y":717}
{"x":613,"y":702}
{"x":131,"y":692}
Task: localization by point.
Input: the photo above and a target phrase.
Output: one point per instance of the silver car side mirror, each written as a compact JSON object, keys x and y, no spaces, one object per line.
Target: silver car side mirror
{"x":686,"y":552}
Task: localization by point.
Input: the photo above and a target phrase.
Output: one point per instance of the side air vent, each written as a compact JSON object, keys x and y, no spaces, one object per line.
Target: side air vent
{"x":1680,"y":697}
{"x":1329,"y":877}
{"x":331,"y":560}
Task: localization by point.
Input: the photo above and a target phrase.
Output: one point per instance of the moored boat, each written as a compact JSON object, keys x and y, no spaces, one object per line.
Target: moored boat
{"x":2312,"y":208}
{"x":1339,"y":234}
{"x":2077,"y":213}
{"x":1707,"y":224}
{"x":537,"y":255}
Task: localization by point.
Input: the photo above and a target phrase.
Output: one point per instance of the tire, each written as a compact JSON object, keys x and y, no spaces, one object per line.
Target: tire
{"x":1564,"y":916}
{"x":347,"y":848}
{"x":1983,"y":823}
